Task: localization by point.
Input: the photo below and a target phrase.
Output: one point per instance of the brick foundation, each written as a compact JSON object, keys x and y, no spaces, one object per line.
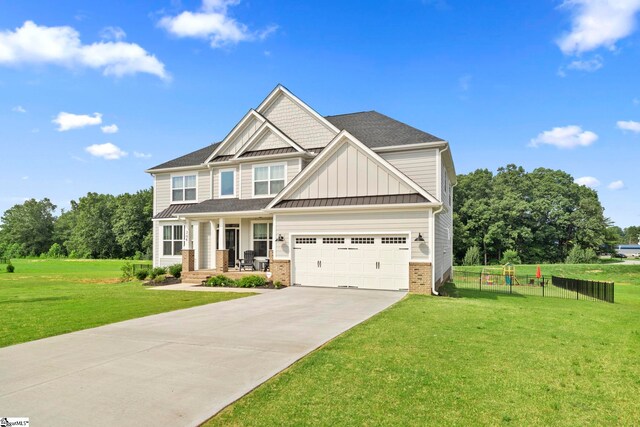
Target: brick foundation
{"x":281,"y":270}
{"x":222,"y":260}
{"x":420,"y":278}
{"x":188,"y":260}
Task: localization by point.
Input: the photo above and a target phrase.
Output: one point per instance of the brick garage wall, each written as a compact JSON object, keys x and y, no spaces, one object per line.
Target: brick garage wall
{"x":281,"y":270}
{"x":420,"y":278}
{"x":222,"y":260}
{"x":188,"y":260}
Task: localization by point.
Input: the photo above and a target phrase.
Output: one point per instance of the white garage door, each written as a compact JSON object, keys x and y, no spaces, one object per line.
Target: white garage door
{"x":369,"y":262}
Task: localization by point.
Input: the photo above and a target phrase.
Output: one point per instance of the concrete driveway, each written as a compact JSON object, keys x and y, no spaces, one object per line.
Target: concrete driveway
{"x":176,"y":368}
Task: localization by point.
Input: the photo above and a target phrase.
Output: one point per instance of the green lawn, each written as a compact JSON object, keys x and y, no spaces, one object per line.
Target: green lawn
{"x":51,"y":297}
{"x":479,"y":359}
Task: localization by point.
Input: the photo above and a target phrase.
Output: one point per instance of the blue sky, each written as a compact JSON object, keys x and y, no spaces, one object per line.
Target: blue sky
{"x":545,"y":83}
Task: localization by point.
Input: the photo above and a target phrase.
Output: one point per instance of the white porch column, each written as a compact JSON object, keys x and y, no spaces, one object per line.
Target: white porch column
{"x":187,"y":235}
{"x":196,"y":244}
{"x":223,"y":243}
{"x":214,"y":247}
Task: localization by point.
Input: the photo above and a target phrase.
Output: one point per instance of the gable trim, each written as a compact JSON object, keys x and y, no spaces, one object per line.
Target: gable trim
{"x":262,"y":130}
{"x":283,"y":90}
{"x":237,"y":128}
{"x":330,"y":150}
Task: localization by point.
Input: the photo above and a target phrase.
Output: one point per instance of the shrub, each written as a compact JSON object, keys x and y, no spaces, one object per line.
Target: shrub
{"x":472,"y":256}
{"x":142,"y":274}
{"x":127,"y":271}
{"x":251,"y":281}
{"x":159,"y":278}
{"x":55,"y":251}
{"x":176,"y":270}
{"x":157,"y":272}
{"x":138,"y":256}
{"x":278,"y":284}
{"x":10,"y":268}
{"x":577,"y":255}
{"x":510,"y":257}
{"x":220,"y":280}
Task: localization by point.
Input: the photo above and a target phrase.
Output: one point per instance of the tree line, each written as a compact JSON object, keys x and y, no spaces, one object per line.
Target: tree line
{"x":532,"y":217}
{"x":96,"y":226}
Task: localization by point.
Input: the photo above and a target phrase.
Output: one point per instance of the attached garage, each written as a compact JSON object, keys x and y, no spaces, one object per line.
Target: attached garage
{"x":351,"y":261}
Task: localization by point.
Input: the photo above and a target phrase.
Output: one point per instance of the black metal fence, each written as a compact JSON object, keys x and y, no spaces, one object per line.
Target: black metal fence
{"x":586,"y":289}
{"x":555,"y":287}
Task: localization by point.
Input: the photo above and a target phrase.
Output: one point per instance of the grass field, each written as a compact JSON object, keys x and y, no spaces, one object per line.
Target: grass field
{"x":50,"y":297}
{"x":479,"y":359}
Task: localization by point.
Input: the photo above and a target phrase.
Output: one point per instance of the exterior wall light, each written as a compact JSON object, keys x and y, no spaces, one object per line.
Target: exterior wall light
{"x":419,"y":238}
{"x":280,"y":238}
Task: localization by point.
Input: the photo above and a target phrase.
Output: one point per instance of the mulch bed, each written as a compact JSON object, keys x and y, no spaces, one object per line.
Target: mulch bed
{"x":167,"y":281}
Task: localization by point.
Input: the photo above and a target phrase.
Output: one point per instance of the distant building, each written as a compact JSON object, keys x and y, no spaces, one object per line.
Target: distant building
{"x":628,"y":249}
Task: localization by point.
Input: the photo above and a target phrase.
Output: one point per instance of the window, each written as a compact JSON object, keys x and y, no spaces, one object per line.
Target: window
{"x":362,"y":240}
{"x":268,"y":180}
{"x":305,"y":240}
{"x":333,"y":240}
{"x":394,"y":240}
{"x":228,"y":183}
{"x":172,"y":240}
{"x":183,"y":188}
{"x":262,"y":238}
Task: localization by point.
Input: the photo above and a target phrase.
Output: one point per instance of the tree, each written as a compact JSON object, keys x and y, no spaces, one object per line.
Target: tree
{"x":28,"y":227}
{"x":92,"y":235}
{"x":132,"y":221}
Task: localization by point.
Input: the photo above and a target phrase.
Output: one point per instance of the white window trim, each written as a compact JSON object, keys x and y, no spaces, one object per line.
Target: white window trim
{"x":173,"y":202}
{"x":253,"y":178}
{"x":235,"y":183}
{"x":273,"y":232}
{"x":161,"y":233}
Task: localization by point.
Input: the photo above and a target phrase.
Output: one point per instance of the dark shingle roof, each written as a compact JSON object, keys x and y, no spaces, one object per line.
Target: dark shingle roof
{"x":227,"y":205}
{"x":172,"y":210}
{"x":353,"y":201}
{"x":376,"y":130}
{"x":192,"y":159}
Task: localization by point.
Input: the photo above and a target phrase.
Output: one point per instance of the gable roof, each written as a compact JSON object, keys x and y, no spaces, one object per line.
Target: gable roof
{"x":344,"y":137}
{"x":376,"y":130}
{"x":192,"y":159}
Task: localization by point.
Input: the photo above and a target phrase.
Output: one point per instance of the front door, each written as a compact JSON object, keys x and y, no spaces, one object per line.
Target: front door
{"x":231,"y":236}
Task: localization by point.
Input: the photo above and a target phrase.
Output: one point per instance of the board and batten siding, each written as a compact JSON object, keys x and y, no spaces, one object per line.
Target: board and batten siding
{"x":419,"y":165}
{"x":415,"y":221}
{"x":350,"y":172}
{"x":297,"y":123}
{"x":246,"y":174}
{"x":241,"y":137}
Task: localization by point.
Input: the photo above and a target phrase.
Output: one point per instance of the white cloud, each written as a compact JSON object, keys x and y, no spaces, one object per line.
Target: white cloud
{"x":19,"y":109}
{"x":140,"y":155}
{"x":213,"y":23}
{"x":616,"y":185}
{"x":109,"y":129}
{"x":107,"y":151}
{"x":68,"y":121}
{"x":597,"y":23}
{"x":112,"y":33}
{"x":629,"y":125}
{"x":589,"y":65}
{"x":34,"y":44}
{"x":565,"y":137}
{"x":588,"y":181}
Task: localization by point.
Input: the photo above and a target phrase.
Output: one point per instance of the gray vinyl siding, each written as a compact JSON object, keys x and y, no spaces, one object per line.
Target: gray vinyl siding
{"x":163,"y":192}
{"x":297,"y":123}
{"x":418,"y":165}
{"x":350,"y":172}
{"x":444,"y":229}
{"x":216,"y":181}
{"x":204,"y":189}
{"x":159,"y":259}
{"x":246,"y":174}
{"x":415,"y":221}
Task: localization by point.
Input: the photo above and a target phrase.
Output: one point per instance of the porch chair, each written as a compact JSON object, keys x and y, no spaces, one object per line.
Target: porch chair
{"x":247,"y":261}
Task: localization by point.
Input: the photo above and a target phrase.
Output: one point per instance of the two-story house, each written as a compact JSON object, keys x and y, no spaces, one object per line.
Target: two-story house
{"x":352,"y":200}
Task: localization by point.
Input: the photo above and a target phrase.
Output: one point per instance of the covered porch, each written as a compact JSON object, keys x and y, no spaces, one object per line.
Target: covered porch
{"x":220,"y":244}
